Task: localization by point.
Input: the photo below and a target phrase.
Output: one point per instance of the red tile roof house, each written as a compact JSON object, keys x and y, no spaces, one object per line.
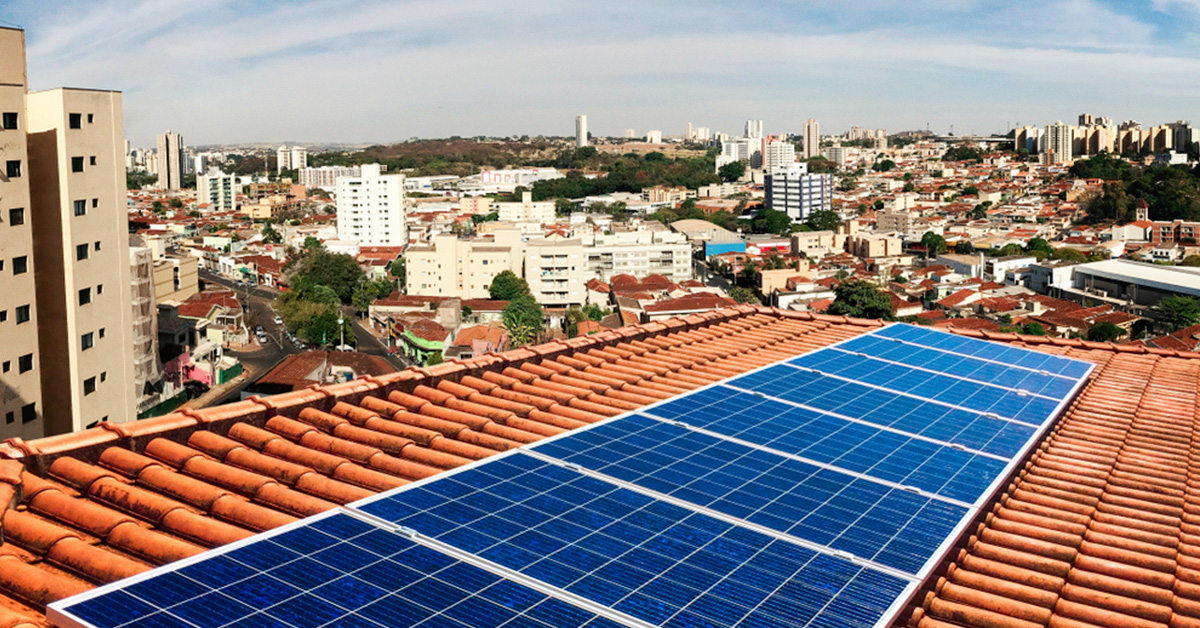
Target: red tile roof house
{"x":1101,"y":527}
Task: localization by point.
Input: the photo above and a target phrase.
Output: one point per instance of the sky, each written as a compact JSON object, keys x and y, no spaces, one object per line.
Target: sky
{"x":338,"y":71}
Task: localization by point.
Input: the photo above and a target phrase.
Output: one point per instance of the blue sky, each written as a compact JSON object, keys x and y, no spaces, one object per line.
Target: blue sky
{"x":218,"y":71}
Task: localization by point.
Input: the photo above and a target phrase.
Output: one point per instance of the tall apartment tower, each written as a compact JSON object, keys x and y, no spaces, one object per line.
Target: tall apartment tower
{"x":81,"y":256}
{"x":1060,"y":143}
{"x":370,"y":208}
{"x":754,"y":128}
{"x":21,"y":411}
{"x":581,"y":132}
{"x":170,"y":161}
{"x":792,"y":190}
{"x":294,"y":158}
{"x":812,"y":139}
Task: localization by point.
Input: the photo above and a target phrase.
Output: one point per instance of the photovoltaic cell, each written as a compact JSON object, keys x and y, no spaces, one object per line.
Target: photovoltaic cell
{"x":653,"y":560}
{"x":997,"y":352}
{"x":333,"y":571}
{"x":895,"y":527}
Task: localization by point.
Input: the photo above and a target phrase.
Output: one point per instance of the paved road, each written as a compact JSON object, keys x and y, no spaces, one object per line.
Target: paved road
{"x":709,"y":278}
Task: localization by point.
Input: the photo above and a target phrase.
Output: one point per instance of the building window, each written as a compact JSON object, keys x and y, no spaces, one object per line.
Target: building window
{"x":92,"y":160}
{"x":95,"y":203}
{"x":3,"y":315}
{"x":89,"y":385}
{"x":77,"y":164}
{"x":6,"y":367}
{"x":101,"y":332}
{"x":85,"y":296}
{"x":25,"y":363}
{"x":10,"y":417}
{"x":86,"y":341}
{"x":103,"y":376}
{"x":20,"y":265}
{"x":97,"y":245}
{"x":81,"y":252}
{"x":22,"y":314}
{"x":80,"y":208}
{"x":13,"y":169}
{"x":99,"y":289}
{"x":10,"y":120}
{"x":29,"y":413}
{"x":91,"y":117}
{"x":16,"y":216}
{"x":75,"y":120}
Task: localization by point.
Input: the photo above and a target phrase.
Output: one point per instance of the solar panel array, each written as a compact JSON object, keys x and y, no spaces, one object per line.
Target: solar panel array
{"x":818,"y":491}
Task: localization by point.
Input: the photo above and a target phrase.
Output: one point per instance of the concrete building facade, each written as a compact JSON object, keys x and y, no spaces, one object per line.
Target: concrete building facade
{"x":797,"y":193}
{"x":581,"y":131}
{"x":370,"y":208}
{"x":218,"y":189}
{"x":812,"y":139}
{"x":170,"y":161}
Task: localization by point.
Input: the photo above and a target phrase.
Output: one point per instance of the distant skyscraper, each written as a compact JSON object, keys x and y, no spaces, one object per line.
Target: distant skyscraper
{"x":294,"y":158}
{"x":299,"y":158}
{"x":170,"y":161}
{"x":812,"y":139}
{"x":1086,"y":119}
{"x":779,"y":154}
{"x":654,"y":137}
{"x":690,"y":134}
{"x":630,"y":134}
{"x":703,"y":134}
{"x":754,"y":128}
{"x":581,"y":132}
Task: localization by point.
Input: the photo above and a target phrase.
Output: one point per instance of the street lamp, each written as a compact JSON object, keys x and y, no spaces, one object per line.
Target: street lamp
{"x":342,"y":331}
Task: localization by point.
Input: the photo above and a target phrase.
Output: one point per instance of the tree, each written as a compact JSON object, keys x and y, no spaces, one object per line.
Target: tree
{"x":934,"y":244}
{"x":1011,"y":249}
{"x":820,"y":165}
{"x":879,"y":204}
{"x":1036,"y":245}
{"x":270,"y":235}
{"x":970,"y":190}
{"x":337,"y":271}
{"x":433,"y":358}
{"x":964,"y":247}
{"x":1191,"y":260}
{"x":743,"y":295}
{"x":861,"y":299}
{"x":1178,"y":312}
{"x":1069,"y":254}
{"x":176,"y":203}
{"x":823,"y":220}
{"x":508,"y":286}
{"x":1033,"y":329}
{"x":595,"y":312}
{"x":884,"y":165}
{"x":1104,"y":331}
{"x":771,"y":221}
{"x":749,"y":272}
{"x":909,"y":187}
{"x":523,"y":320}
{"x":732,"y":171}
{"x":312,"y":244}
{"x":157,"y":205}
{"x":562,"y":206}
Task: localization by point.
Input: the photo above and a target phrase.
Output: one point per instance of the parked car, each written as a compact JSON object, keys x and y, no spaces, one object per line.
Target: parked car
{"x":278,"y":320}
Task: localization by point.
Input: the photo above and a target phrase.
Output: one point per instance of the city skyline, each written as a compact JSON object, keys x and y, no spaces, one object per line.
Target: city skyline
{"x":199,"y":67}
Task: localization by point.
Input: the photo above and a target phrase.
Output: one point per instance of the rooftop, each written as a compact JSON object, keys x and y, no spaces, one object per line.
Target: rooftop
{"x":1097,"y":530}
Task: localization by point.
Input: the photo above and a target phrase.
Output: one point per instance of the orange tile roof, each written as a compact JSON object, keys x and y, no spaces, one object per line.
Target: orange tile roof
{"x":1099,"y":529}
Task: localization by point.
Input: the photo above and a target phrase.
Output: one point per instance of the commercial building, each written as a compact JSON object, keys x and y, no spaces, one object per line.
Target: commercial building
{"x":581,"y":131}
{"x":170,"y":161}
{"x":1126,"y":282}
{"x":21,"y":411}
{"x":791,"y":189}
{"x":370,"y":208}
{"x":812,"y":139}
{"x":81,"y":256}
{"x":639,"y":253}
{"x":326,"y":176}
{"x":219,"y":190}
{"x":294,"y":158}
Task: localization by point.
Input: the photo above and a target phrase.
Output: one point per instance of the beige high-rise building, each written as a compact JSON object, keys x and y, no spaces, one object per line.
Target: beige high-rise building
{"x":170,"y":161}
{"x":81,"y":257}
{"x":812,"y":139}
{"x":1060,"y":144}
{"x":21,"y":410}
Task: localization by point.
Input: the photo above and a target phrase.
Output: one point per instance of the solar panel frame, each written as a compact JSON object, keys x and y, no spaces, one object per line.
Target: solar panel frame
{"x":56,"y":612}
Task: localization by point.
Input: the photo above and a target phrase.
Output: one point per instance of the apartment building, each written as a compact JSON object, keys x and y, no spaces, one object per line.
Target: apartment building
{"x":82,"y":263}
{"x":219,"y":190}
{"x":326,"y":176}
{"x":792,"y":190}
{"x":778,"y":154}
{"x":639,"y":253}
{"x":526,"y":210}
{"x":170,"y":161}
{"x":370,"y":208}
{"x":175,"y":279}
{"x":812,"y":139}
{"x":21,"y":409}
{"x":664,"y":194}
{"x":294,"y":158}
{"x":555,"y":271}
{"x":451,"y":267}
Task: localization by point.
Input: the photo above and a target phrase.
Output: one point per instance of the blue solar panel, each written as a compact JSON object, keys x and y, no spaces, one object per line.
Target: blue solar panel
{"x":875,"y":521}
{"x":333,"y":571}
{"x":659,"y":562}
{"x":996,"y":352}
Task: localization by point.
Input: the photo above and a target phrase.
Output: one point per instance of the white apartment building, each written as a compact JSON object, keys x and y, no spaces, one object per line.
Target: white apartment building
{"x":294,"y":158}
{"x":581,"y":131}
{"x":779,"y":154}
{"x":754,"y":128}
{"x":81,"y":242}
{"x":639,"y":253}
{"x":526,"y":210}
{"x":1059,"y":144}
{"x":555,"y":272}
{"x":370,"y":208}
{"x":797,"y":193}
{"x":218,"y":189}
{"x":654,"y":137}
{"x":21,"y":410}
{"x":836,"y":154}
{"x":327,"y":176}
{"x":451,"y":267}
